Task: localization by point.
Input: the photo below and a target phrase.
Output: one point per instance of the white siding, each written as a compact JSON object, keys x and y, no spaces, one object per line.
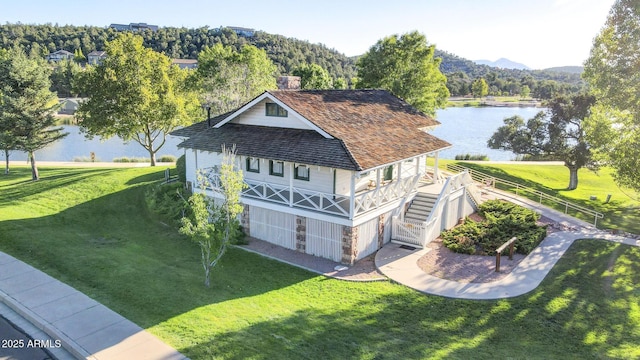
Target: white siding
{"x":256,"y":115}
{"x":367,"y":238}
{"x":387,"y":227}
{"x":190,"y":165}
{"x":343,"y":182}
{"x":320,"y":177}
{"x":324,"y":239}
{"x":273,"y":226}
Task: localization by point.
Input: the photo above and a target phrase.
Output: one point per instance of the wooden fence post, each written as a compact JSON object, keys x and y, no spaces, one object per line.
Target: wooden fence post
{"x":509,"y":243}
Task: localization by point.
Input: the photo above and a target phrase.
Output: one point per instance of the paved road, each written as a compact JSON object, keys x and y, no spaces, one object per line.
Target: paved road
{"x":16,"y":345}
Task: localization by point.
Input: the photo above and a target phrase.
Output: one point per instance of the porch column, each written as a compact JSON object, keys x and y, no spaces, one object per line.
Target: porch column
{"x":399,"y":176}
{"x":435,"y":168}
{"x":353,"y":195}
{"x":377,"y":193}
{"x":291,"y":169}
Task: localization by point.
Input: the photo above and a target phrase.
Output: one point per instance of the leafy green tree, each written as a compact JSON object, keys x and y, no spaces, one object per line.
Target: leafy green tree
{"x":313,"y":77}
{"x":612,"y":71}
{"x":212,"y":227}
{"x":525,"y":91}
{"x":480,"y":88}
{"x":340,"y":84}
{"x":78,"y":56}
{"x":557,"y":135}
{"x":229,"y":78}
{"x":26,"y":106}
{"x":405,"y":65}
{"x":136,"y":94}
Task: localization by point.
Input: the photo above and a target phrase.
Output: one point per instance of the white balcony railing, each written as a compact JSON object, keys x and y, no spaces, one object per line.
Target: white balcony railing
{"x":332,"y":204}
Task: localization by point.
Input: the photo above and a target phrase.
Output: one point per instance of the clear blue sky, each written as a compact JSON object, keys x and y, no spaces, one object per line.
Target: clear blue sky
{"x":539,"y":33}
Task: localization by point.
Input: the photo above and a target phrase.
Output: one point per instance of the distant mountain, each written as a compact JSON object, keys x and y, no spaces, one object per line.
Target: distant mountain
{"x":503,"y":64}
{"x":567,"y":69}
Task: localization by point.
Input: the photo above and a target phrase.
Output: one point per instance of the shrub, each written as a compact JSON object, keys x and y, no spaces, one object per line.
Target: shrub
{"x":167,"y":201}
{"x":181,"y":168}
{"x":502,"y":221}
{"x":125,"y":159}
{"x":472,"y":157}
{"x":85,"y":159}
{"x":167,"y":158}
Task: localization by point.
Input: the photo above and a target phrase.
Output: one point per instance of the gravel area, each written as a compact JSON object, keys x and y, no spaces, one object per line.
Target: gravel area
{"x":444,"y":263}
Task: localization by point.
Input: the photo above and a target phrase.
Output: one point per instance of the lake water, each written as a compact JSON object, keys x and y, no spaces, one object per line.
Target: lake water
{"x":467,"y":128}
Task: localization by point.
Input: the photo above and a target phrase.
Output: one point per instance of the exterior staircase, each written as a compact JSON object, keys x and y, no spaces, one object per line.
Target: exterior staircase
{"x":421,"y":207}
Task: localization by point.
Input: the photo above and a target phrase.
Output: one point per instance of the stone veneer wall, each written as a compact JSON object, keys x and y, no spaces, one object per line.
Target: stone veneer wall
{"x":381,"y":220}
{"x":244,"y":220}
{"x":349,"y":244}
{"x":301,"y":233}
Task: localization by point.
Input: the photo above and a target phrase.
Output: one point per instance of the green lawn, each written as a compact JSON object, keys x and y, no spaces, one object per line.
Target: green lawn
{"x":90,"y":228}
{"x":621,"y":212}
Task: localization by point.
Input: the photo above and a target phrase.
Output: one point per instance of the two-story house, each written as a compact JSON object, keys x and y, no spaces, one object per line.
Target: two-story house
{"x":95,"y":57}
{"x":60,"y":55}
{"x":326,"y":170}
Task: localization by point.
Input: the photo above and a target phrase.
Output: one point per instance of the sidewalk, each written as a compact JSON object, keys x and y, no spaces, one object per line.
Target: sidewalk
{"x":84,"y":327}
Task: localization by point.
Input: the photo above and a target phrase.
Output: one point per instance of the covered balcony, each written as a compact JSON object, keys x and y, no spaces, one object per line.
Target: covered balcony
{"x":345,"y":206}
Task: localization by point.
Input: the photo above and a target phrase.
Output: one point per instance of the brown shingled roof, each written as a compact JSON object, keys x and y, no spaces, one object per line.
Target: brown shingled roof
{"x":375,"y":126}
{"x":370,"y":127}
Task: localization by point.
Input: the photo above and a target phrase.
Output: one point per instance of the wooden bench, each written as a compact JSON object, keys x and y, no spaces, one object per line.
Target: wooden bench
{"x":509,"y":243}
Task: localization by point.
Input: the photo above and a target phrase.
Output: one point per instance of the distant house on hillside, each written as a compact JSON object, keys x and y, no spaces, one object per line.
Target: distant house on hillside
{"x":134,"y":27}
{"x":185,"y":63}
{"x":96,"y":57}
{"x":331,"y":173}
{"x":60,"y":55}
{"x":69,"y":106}
{"x":241,"y":31}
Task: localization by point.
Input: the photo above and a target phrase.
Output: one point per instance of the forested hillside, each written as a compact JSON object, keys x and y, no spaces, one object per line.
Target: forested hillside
{"x":286,"y":53}
{"x":178,"y":43}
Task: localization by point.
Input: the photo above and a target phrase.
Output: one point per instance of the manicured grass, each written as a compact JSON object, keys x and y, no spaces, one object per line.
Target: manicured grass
{"x":90,"y":228}
{"x":621,"y":212}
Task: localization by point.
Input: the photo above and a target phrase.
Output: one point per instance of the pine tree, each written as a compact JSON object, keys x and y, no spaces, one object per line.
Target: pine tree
{"x":27,"y":105}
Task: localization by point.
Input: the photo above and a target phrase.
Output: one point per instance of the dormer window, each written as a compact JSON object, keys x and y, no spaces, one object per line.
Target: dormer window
{"x":273,"y":109}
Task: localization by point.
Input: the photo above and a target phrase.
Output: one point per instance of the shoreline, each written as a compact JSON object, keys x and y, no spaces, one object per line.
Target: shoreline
{"x":471,"y":102}
{"x":97,"y":164}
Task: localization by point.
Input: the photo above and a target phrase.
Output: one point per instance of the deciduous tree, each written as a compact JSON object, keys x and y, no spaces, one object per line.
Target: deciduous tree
{"x":405,"y":65}
{"x":136,"y":94}
{"x":313,"y":77}
{"x":558,"y":134}
{"x":228,"y":78}
{"x":214,"y":227}
{"x":27,"y":106}
{"x":480,"y":88}
{"x":612,"y":71}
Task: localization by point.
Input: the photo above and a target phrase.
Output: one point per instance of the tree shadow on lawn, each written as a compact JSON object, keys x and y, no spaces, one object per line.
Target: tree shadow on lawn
{"x":111,"y":249}
{"x":49,"y":179}
{"x":578,"y":312}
